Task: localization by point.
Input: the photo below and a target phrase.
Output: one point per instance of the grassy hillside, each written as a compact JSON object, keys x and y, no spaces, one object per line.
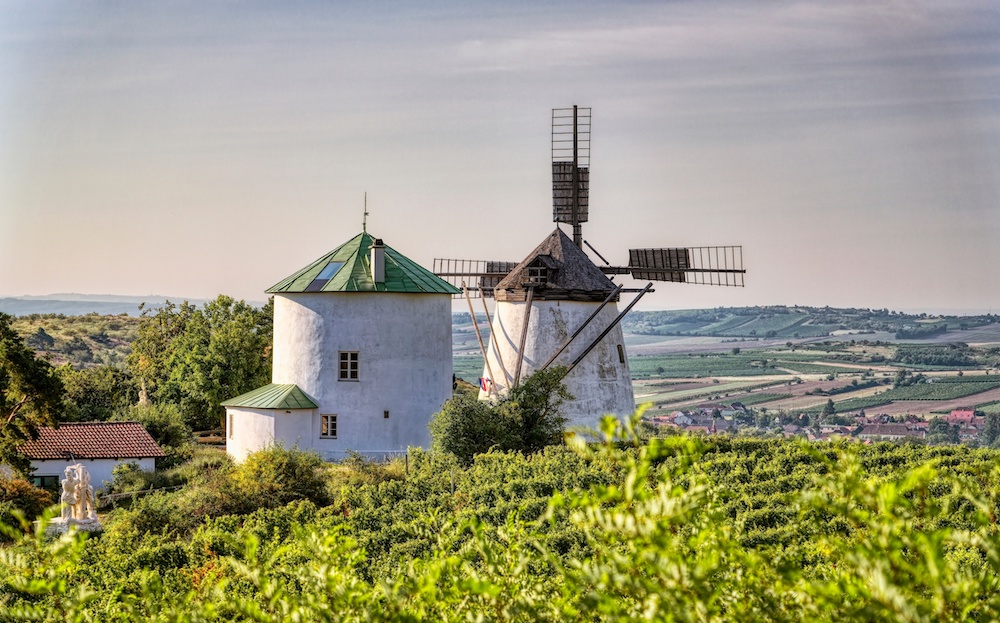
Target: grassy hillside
{"x":83,"y":341}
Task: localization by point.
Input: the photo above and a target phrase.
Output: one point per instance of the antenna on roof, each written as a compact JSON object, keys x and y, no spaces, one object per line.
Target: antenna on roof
{"x":364,"y":219}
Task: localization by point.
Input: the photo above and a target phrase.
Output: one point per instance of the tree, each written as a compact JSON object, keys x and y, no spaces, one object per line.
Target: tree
{"x":991,"y":431}
{"x":31,"y":396}
{"x":197,"y":358}
{"x":96,"y":393}
{"x":166,"y":425}
{"x":940,"y":431}
{"x":41,"y":340}
{"x":526,"y":420}
{"x":829,"y":408}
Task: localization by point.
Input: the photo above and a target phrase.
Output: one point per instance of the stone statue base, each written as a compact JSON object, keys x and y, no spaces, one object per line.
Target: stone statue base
{"x":61,"y":526}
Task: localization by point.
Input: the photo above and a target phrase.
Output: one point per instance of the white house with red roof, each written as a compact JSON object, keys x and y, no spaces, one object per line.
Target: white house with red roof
{"x":99,"y":446}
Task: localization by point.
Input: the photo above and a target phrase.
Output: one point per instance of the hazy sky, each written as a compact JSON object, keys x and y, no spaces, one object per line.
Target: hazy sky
{"x":192,"y":149}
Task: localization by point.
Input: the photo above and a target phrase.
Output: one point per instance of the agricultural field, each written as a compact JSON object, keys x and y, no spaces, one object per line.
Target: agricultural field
{"x":700,"y":366}
{"x":699,"y":393}
{"x":468,"y":367}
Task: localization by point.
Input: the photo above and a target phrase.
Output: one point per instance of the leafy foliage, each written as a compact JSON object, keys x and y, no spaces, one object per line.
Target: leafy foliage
{"x":197,"y":358}
{"x":30,"y":395}
{"x":526,"y":420}
{"x":674,"y":529}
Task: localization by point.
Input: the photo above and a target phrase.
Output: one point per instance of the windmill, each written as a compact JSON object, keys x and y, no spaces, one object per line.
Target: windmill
{"x":557,"y":307}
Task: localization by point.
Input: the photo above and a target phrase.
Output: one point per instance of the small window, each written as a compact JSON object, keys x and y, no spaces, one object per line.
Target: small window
{"x":348,"y":366}
{"x":229,"y":426}
{"x":621,"y":353}
{"x":324,"y":276}
{"x":385,"y":414}
{"x":538,"y":275}
{"x":328,"y":426}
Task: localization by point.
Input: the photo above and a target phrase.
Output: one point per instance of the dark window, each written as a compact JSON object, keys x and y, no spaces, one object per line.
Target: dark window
{"x":385,"y":414}
{"x":348,"y":366}
{"x":538,"y":275}
{"x":621,"y":353}
{"x":46,"y":482}
{"x":328,"y":426}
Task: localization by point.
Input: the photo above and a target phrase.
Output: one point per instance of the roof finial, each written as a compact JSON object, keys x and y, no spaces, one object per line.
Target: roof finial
{"x":364,"y":219}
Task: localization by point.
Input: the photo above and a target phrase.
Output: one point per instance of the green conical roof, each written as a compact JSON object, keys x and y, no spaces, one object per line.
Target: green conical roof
{"x":273,"y":396}
{"x":346,"y":269}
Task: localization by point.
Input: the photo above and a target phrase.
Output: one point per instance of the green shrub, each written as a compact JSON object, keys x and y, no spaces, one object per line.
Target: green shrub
{"x":277,"y":475}
{"x":19,"y":495}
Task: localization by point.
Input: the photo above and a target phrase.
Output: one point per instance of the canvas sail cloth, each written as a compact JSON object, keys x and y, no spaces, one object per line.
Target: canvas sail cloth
{"x":565,"y":289}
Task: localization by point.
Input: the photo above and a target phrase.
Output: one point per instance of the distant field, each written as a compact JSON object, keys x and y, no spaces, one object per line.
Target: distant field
{"x":704,"y":391}
{"x":760,"y":398}
{"x":799,"y":367}
{"x":698,"y":366}
{"x":468,"y":367}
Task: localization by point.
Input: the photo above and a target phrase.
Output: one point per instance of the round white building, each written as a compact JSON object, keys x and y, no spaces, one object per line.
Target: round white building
{"x":545,"y":300}
{"x":362,"y":357}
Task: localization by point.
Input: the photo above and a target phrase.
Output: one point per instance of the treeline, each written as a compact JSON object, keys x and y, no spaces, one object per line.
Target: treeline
{"x":672,"y":529}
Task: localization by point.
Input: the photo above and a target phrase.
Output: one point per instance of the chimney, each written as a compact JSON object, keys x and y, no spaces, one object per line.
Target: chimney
{"x":378,"y":261}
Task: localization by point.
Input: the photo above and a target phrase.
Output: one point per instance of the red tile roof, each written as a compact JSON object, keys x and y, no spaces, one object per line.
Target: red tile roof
{"x":93,"y":440}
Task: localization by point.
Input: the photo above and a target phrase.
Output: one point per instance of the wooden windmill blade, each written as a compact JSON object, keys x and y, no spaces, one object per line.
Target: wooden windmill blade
{"x":477,"y":277}
{"x":714,"y":266}
{"x":571,"y":168}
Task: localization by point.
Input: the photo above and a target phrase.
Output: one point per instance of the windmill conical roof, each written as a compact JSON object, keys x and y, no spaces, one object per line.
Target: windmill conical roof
{"x":570,"y":274}
{"x":347,"y":269}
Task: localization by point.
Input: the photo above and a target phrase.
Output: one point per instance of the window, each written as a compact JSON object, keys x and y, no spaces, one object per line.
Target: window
{"x":348,"y":366}
{"x":621,"y":353}
{"x":324,"y":276}
{"x":538,"y":275}
{"x":46,"y":482}
{"x":328,"y":426}
{"x":385,"y":414}
{"x":229,"y":428}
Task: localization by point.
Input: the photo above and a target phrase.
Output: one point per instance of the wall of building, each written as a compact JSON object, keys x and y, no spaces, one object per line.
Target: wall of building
{"x":248,"y":430}
{"x":601,"y":383}
{"x":403,"y":343}
{"x":100,"y":470}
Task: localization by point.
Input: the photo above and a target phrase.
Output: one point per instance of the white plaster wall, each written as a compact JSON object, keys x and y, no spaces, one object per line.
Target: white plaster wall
{"x":600,"y":384}
{"x":404,"y":365}
{"x":100,"y":470}
{"x":252,"y":429}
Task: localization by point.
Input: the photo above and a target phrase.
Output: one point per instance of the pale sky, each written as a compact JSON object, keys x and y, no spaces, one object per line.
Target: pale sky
{"x":192,"y":149}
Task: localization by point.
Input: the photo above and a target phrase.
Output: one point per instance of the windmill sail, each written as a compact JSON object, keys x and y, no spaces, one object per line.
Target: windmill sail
{"x":571,"y":168}
{"x":478,"y":276}
{"x":716,"y":266}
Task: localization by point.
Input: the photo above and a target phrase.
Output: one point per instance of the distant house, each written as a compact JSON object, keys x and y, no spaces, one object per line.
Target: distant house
{"x":877,"y":432}
{"x":961,"y":416}
{"x":99,"y":446}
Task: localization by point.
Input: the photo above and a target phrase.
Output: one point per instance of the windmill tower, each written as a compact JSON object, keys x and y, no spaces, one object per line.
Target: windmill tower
{"x":557,"y":307}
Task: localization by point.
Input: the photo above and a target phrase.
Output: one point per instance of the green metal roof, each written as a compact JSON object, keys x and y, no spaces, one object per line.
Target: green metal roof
{"x":354,"y":275}
{"x":273,"y":396}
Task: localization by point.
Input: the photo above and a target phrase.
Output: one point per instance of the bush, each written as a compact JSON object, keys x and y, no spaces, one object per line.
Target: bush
{"x":277,"y":475}
{"x":526,"y":420}
{"x":17,"y":494}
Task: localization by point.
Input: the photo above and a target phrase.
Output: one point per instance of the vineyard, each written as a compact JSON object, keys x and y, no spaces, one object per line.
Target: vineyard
{"x":723,"y":529}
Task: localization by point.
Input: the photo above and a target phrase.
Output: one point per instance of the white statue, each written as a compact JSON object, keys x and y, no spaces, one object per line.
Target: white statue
{"x":79,"y":507}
